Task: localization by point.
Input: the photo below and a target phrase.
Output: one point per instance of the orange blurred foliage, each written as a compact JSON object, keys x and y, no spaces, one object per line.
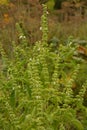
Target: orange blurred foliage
{"x":82,"y":50}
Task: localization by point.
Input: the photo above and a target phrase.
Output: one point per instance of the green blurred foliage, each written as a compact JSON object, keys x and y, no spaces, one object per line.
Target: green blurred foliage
{"x":4,"y":2}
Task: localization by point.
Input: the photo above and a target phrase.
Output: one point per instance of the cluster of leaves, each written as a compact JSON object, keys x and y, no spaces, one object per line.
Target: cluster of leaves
{"x":4,"y":2}
{"x":34,"y":90}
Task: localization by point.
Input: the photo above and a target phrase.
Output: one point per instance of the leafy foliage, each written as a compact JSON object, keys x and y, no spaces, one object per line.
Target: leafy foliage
{"x":3,"y":2}
{"x":34,"y":91}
